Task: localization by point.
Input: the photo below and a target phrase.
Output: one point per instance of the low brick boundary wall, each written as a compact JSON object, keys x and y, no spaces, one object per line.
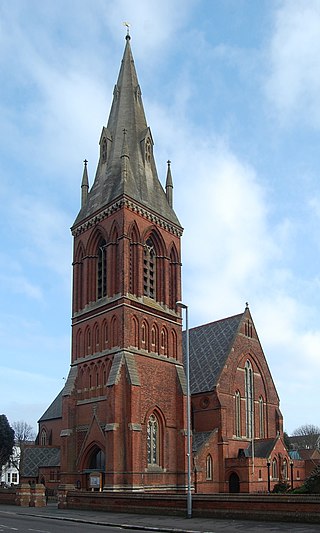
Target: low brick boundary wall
{"x":7,"y":496}
{"x":289,"y":508}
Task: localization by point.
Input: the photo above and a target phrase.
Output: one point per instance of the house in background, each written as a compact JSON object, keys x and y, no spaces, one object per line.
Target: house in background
{"x":119,"y":424}
{"x":10,"y":471}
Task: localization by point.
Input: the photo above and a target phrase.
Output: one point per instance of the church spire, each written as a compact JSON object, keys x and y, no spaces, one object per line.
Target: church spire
{"x":138,"y":181}
{"x":84,"y":184}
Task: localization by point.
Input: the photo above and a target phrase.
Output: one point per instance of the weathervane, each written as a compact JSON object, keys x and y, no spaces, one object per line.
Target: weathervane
{"x":127,"y":24}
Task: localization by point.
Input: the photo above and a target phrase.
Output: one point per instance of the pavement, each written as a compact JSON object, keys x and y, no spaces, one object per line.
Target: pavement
{"x":160,"y":523}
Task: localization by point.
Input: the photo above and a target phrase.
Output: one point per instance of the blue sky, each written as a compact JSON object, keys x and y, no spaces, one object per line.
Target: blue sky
{"x":231,"y":93}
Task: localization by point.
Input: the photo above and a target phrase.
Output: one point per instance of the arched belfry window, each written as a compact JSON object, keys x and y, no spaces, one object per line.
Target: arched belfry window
{"x":153,"y":441}
{"x":149,"y":270}
{"x":173,"y":279}
{"x":249,"y":399}
{"x":102,"y":269}
{"x":134,"y":261}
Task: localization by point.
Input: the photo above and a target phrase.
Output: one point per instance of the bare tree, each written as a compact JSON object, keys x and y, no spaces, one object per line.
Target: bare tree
{"x":23,"y":434}
{"x":308,"y":436}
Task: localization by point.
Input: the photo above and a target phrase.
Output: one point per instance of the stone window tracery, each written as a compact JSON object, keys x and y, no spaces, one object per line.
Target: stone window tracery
{"x":153,"y":452}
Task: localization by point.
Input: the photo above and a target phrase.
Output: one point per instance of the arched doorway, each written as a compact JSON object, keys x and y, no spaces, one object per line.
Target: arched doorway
{"x":95,"y":469}
{"x":97,"y":460}
{"x":234,"y":483}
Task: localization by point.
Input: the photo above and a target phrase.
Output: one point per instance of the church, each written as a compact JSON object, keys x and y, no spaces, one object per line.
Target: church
{"x":120,"y":421}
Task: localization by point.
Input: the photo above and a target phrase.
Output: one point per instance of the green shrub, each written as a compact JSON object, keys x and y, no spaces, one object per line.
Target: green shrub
{"x":312,"y":484}
{"x":281,"y":487}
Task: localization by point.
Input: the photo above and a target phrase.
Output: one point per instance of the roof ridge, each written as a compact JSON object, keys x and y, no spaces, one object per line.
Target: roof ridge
{"x":216,"y":321}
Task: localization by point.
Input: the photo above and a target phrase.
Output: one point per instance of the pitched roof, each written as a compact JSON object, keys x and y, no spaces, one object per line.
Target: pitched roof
{"x":127,"y":167}
{"x":210,"y":346}
{"x":262,"y":448}
{"x":35,"y":457}
{"x":54,"y":410}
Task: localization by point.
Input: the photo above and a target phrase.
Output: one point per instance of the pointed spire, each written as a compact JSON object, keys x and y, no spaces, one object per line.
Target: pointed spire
{"x":169,"y":185}
{"x":130,"y":167}
{"x":84,"y":184}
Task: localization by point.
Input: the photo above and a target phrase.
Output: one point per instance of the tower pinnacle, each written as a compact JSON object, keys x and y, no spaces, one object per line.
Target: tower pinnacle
{"x":84,"y":184}
{"x":169,"y":185}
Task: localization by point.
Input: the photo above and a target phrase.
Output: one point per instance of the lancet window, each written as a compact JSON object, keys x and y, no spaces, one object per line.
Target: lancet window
{"x":249,"y":399}
{"x":149,"y":270}
{"x":102,"y":269}
{"x":153,"y":445}
{"x":237,"y":406}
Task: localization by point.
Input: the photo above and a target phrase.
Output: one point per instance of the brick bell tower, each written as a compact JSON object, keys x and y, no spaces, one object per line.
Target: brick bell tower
{"x":124,"y":402}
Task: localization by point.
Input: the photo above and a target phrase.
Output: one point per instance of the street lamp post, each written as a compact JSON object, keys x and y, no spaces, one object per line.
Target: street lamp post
{"x":189,"y":495}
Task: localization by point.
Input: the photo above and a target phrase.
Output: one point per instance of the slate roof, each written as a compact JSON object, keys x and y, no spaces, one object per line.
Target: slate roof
{"x":262,"y":448}
{"x":199,"y":438}
{"x":125,"y":170}
{"x":54,"y":410}
{"x":210,"y":346}
{"x":35,"y":457}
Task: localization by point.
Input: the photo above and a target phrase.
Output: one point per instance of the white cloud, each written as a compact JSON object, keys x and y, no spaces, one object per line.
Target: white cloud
{"x":294,"y":79}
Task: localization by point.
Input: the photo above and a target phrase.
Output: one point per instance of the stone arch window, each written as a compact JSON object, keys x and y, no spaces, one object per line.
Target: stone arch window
{"x":249,"y":400}
{"x":153,"y":441}
{"x":114,"y":262}
{"x":285,"y":470}
{"x":43,"y":437}
{"x":237,"y":409}
{"x":275,"y":469}
{"x":261,"y":418}
{"x":78,"y":279}
{"x":102,"y":269}
{"x":134,"y":262}
{"x":173,"y":279}
{"x":149,"y":269}
{"x":209,"y":468}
